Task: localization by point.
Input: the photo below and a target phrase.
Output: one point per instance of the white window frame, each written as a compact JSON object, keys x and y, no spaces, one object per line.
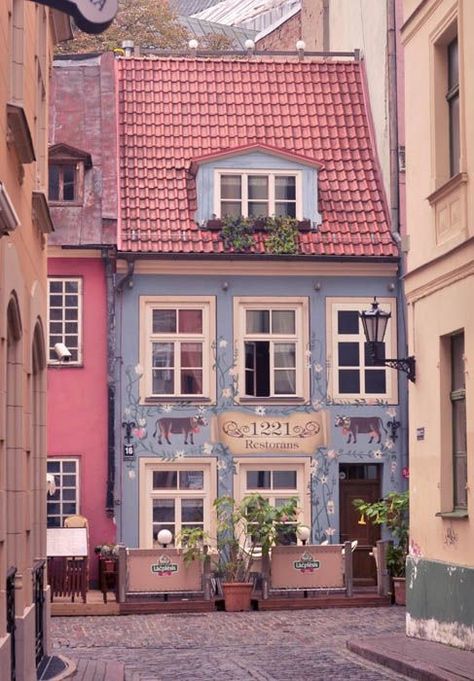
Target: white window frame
{"x":52,"y":358}
{"x":147,"y":337}
{"x":146,"y":493}
{"x":301,"y":340}
{"x":302,"y":467}
{"x":58,"y":477}
{"x":334,"y":305}
{"x":271,"y":174}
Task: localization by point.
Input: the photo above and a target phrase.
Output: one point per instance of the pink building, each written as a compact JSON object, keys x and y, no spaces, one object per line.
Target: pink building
{"x":83,"y":207}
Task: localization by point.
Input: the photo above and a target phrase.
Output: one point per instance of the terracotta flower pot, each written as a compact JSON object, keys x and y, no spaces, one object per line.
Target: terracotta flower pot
{"x":237,"y":596}
{"x":399,"y":590}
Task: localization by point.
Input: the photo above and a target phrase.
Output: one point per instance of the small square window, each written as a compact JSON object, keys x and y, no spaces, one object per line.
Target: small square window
{"x":64,"y":315}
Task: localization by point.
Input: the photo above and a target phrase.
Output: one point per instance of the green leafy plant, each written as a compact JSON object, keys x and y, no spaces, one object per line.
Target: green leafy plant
{"x":107,"y":550}
{"x":237,"y":233}
{"x":391,"y":511}
{"x":282,"y":235}
{"x":246,"y":530}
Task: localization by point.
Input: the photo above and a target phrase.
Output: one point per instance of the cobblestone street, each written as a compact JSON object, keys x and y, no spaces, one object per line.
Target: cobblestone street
{"x":269,"y":646}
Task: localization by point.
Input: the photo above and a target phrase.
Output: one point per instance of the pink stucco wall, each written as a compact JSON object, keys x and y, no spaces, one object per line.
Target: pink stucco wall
{"x":77,"y":401}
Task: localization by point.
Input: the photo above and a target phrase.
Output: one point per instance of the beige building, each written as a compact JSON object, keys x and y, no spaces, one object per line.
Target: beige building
{"x":439,"y":96}
{"x":27,"y":33}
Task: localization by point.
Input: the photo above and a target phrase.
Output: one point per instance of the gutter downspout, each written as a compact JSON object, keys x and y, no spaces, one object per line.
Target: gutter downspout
{"x":108,"y":256}
{"x":393,"y":115}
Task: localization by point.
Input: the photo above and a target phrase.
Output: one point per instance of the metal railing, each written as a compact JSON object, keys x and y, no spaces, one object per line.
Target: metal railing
{"x":38,"y":599}
{"x":11,"y":624}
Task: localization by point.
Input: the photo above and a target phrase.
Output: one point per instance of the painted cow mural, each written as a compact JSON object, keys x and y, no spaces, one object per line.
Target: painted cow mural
{"x":188,"y":425}
{"x":352,"y":426}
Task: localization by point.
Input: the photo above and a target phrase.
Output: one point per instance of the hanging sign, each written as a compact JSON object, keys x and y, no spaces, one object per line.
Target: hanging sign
{"x":91,"y":16}
{"x":296,"y":433}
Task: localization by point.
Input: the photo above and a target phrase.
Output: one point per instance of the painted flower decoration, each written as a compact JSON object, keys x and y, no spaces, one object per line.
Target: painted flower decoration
{"x":388,"y":444}
{"x":324,"y":479}
{"x":392,"y":412}
{"x":167,"y":408}
{"x":330,"y":507}
{"x":332,"y":454}
{"x":221,"y":465}
{"x":394,"y":466}
{"x":330,"y":531}
{"x":260,"y":411}
{"x":307,"y":353}
{"x":222,"y":343}
{"x":139,"y":370}
{"x":378,"y":454}
{"x":233,"y":371}
{"x":317,"y":367}
{"x":179,"y":454}
{"x":140,"y":433}
{"x":226,"y":393}
{"x":142,"y":422}
{"x":208,"y":448}
{"x":317,"y":405}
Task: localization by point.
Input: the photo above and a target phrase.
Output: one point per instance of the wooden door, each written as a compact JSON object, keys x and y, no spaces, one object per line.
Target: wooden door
{"x":359,"y":481}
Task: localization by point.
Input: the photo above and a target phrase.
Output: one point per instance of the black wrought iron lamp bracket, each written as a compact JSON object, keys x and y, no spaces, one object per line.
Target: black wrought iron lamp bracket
{"x":406,"y":364}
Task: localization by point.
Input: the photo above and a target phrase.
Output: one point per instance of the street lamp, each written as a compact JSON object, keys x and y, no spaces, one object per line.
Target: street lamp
{"x":375,"y":323}
{"x":303,"y":533}
{"x":164,"y":538}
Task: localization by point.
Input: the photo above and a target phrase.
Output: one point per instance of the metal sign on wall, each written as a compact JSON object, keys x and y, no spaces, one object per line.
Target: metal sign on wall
{"x":91,"y":16}
{"x":297,"y":433}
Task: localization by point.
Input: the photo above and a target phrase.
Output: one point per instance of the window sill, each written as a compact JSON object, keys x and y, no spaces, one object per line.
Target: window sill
{"x":450,"y":515}
{"x":446,"y":188}
{"x":173,"y":399}
{"x":272,"y":400}
{"x":67,"y":365}
{"x":65,"y":204}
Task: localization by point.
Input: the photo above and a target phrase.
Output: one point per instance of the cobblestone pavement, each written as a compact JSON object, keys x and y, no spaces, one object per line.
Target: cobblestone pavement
{"x":301,"y":645}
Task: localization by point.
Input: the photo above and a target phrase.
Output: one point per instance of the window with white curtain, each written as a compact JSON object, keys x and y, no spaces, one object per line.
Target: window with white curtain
{"x":273,"y":337}
{"x":176,"y":346}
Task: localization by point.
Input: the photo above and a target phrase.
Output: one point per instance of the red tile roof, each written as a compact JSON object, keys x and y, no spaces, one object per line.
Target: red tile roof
{"x":174,"y":111}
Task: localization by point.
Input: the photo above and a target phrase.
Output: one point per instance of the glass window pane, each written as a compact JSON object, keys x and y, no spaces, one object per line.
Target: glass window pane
{"x":72,"y":287}
{"x":284,"y":355}
{"x":163,"y":354}
{"x":348,"y":354}
{"x":71,"y":300}
{"x":454,"y":136}
{"x":56,"y":314}
{"x":54,"y":508}
{"x":53,"y":466}
{"x":258,"y":480}
{"x":349,"y":381}
{"x":453,"y":64}
{"x":258,"y":187}
{"x":164,"y":321}
{"x":163,"y":510}
{"x":163,"y":382}
{"x":258,"y":321}
{"x":71,"y":313}
{"x":284,"y":480}
{"x":165,"y":479}
{"x":257,"y":209}
{"x":69,"y":480}
{"x":231,"y":209}
{"x":69,"y":495}
{"x":285,"y":187}
{"x":284,"y":321}
{"x":69,"y":466}
{"x":459,"y":426}
{"x":69,"y":176}
{"x":55,"y":300}
{"x":191,"y":382}
{"x":192,"y":510}
{"x":348,"y":321}
{"x":250,"y":355}
{"x":285,"y":382}
{"x":231,"y":186}
{"x":191,"y":354}
{"x":191,"y":480}
{"x":190,"y":321}
{"x":285,"y":209}
{"x":375,"y":381}
{"x":54,"y":521}
{"x":55,"y":286}
{"x":69,"y":509}
{"x":53,"y":185}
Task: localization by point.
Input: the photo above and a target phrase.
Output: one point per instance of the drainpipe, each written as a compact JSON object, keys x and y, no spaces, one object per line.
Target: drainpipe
{"x":393,"y":114}
{"x":108,"y":256}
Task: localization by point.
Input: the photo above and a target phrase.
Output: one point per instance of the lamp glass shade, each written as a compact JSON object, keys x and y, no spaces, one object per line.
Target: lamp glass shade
{"x":374,"y":322}
{"x":165,"y":537}
{"x":303,"y":533}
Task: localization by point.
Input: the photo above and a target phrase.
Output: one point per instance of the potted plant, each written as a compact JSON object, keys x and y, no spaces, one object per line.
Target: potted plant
{"x":246,"y":531}
{"x":108,"y":553}
{"x":282,"y":236}
{"x":392,"y":511}
{"x":237,"y":233}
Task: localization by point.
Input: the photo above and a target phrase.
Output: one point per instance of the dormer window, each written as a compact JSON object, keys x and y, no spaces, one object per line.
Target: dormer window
{"x":63,"y":182}
{"x":258,"y":194}
{"x":67,"y":167}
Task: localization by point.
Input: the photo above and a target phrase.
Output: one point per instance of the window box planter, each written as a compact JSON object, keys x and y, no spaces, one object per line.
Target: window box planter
{"x":214,"y":224}
{"x":304,"y":225}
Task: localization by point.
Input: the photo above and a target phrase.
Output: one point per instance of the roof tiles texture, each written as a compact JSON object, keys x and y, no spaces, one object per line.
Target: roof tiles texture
{"x":174,"y":110}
